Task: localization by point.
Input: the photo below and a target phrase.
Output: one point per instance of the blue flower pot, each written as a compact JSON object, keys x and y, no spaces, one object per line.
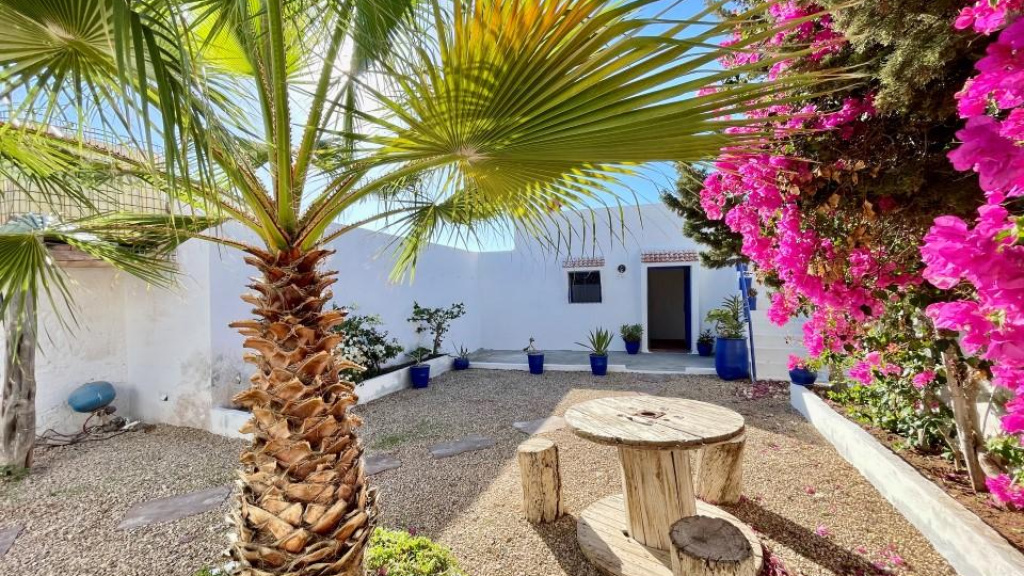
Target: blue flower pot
{"x":705,"y":348}
{"x":731,"y":358}
{"x":803,"y":376}
{"x":460,"y":363}
{"x":599,"y":364}
{"x":420,"y":375}
{"x":536,"y":363}
{"x":632,"y":347}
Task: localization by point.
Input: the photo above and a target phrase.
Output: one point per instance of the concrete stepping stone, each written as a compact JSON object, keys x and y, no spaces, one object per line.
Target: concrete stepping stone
{"x":540,"y":426}
{"x":467,"y":444}
{"x":174,"y":508}
{"x":377,"y":463}
{"x":8,"y":536}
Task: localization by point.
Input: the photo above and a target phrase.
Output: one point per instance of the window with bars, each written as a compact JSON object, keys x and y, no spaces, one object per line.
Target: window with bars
{"x":584,"y":287}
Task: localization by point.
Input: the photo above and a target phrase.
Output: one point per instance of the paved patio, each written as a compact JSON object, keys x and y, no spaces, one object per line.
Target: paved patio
{"x":668,"y":362}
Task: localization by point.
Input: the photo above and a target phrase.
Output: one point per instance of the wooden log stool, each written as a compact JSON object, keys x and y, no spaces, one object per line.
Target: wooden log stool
{"x":706,"y":546}
{"x":719,"y":471}
{"x":542,"y":482}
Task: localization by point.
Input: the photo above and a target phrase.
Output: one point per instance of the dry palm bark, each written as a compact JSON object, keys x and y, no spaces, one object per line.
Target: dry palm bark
{"x":17,"y":401}
{"x":304,"y":504}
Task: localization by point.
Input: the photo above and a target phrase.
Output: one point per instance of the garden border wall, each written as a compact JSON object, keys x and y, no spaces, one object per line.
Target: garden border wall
{"x":227,"y":421}
{"x":972,"y":547}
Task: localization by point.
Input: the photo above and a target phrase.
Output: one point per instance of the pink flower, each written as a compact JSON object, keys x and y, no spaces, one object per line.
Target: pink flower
{"x":861,"y":372}
{"x":823,"y":531}
{"x":922,"y":379}
{"x":1005,"y":491}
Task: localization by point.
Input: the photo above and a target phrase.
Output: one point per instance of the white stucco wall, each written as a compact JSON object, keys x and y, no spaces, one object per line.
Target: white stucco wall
{"x":167,"y":338}
{"x":172,"y":357}
{"x":526,"y":290}
{"x":81,"y":352}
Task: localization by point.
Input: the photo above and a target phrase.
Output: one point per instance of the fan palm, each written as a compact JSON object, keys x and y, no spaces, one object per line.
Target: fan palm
{"x":286,"y":115}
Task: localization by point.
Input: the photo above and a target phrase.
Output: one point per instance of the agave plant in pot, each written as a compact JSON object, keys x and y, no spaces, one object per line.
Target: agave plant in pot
{"x":534,"y":357}
{"x":731,"y":356}
{"x":632,"y":334}
{"x":420,"y":371}
{"x":598,"y":342}
{"x":705,"y":343}
{"x":461,"y":361}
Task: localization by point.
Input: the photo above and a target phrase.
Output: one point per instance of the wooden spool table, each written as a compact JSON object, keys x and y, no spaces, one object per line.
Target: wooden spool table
{"x":629,"y":535}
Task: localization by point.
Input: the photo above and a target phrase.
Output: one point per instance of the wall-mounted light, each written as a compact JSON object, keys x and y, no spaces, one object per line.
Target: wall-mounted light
{"x":621,"y":268}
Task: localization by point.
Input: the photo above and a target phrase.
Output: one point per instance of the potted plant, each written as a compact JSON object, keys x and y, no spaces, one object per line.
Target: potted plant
{"x":632,"y":334}
{"x":420,"y":371}
{"x":461,"y":359}
{"x":534,"y":357}
{"x":803,"y":371}
{"x":705,"y":343}
{"x":598,"y":343}
{"x":731,"y":357}
{"x":752,"y":298}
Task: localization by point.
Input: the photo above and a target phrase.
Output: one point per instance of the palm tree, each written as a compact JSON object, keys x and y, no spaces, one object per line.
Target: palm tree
{"x":285,"y":115}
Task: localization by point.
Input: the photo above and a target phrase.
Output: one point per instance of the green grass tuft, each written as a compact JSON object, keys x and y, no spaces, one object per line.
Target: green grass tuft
{"x":398,"y":553}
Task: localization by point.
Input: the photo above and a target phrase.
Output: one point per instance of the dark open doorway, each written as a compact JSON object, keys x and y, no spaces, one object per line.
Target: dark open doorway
{"x":668,"y":309}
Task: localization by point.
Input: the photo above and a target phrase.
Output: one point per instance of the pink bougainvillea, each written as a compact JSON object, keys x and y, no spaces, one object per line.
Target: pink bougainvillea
{"x":987,"y":256}
{"x":844,"y":286}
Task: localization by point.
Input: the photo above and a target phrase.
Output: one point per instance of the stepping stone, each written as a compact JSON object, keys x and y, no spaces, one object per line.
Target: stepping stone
{"x":8,"y":536}
{"x":549,"y":424}
{"x":467,"y":444}
{"x":377,"y":463}
{"x":174,"y":508}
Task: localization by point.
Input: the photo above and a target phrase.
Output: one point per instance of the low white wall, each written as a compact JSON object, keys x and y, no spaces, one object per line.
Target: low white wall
{"x":970,"y":545}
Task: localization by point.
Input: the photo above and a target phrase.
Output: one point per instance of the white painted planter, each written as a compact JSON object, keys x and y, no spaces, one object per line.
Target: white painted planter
{"x":398,"y":380}
{"x":547,"y":367}
{"x":971,"y":546}
{"x":227,"y":421}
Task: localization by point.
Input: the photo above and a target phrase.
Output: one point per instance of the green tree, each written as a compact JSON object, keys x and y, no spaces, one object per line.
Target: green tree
{"x":722,"y":244}
{"x":490,"y":112}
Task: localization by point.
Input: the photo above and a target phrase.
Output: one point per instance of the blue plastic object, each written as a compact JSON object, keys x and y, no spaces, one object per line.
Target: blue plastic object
{"x":803,"y":376}
{"x":420,"y":375}
{"x":731,"y":360}
{"x":91,"y":396}
{"x":633,"y":347}
{"x":598,"y":364}
{"x":460,"y":363}
{"x":536,"y":363}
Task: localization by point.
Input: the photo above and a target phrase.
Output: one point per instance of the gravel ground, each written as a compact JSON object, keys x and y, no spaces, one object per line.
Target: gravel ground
{"x":76,"y":496}
{"x":814,"y":511}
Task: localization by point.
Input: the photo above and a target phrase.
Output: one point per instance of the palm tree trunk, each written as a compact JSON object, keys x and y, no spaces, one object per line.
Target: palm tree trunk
{"x":304,"y":506}
{"x":18,"y":402}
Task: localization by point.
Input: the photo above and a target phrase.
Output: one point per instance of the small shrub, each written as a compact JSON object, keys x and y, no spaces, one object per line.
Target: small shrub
{"x":435,"y":321}
{"x":728,"y":318}
{"x":632,"y":332}
{"x":366,"y":344}
{"x":398,"y":553}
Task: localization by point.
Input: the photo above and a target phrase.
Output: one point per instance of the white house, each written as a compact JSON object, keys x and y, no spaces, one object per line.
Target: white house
{"x":173,"y":359}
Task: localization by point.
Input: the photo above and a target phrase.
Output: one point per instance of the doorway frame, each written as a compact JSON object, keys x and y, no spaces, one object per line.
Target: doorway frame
{"x":695,"y":268}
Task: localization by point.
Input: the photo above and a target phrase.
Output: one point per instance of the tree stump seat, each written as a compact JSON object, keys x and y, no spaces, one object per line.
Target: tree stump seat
{"x":706,"y":546}
{"x":541,"y":479}
{"x":719,"y":471}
